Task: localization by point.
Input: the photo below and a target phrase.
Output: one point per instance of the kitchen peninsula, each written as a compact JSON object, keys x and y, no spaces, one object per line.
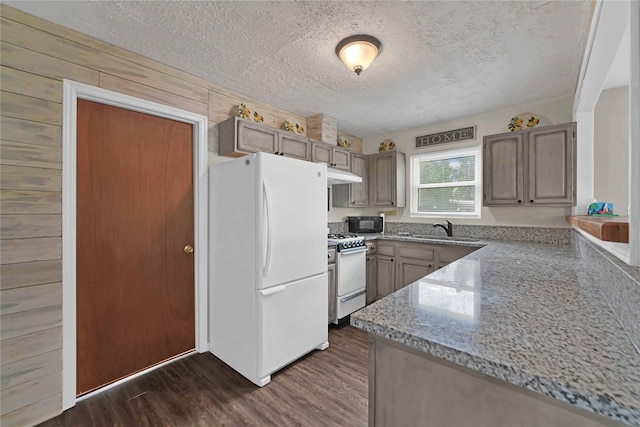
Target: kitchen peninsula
{"x":512,"y":334}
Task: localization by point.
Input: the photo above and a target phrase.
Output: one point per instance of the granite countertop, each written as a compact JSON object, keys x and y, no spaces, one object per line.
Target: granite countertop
{"x":526,"y":313}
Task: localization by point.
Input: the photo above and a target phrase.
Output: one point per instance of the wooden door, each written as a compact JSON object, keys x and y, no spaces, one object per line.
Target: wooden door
{"x":504,"y":169}
{"x":551,"y":162}
{"x":135,"y":281}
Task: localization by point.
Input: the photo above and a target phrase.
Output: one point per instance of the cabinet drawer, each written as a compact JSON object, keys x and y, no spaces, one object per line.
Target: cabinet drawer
{"x":412,"y":250}
{"x":386,"y":249}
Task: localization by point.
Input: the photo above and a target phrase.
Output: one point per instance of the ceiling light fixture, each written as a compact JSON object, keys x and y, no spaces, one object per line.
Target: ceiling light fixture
{"x":358,"y":52}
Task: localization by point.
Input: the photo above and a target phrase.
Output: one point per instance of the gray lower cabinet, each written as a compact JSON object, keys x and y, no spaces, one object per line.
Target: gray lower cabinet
{"x":410,"y":270}
{"x":387,"y":179}
{"x":331,"y":279}
{"x":353,"y":195}
{"x":237,"y":136}
{"x":385,"y":268}
{"x":399,"y":263}
{"x":332,"y":155}
{"x":372,"y":273}
{"x":529,"y":168}
{"x":408,"y":387}
{"x":414,"y":261}
{"x":386,"y":273}
{"x":450,"y":253}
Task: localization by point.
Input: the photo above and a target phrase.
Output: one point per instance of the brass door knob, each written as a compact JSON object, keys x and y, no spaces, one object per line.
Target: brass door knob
{"x":188,"y":249}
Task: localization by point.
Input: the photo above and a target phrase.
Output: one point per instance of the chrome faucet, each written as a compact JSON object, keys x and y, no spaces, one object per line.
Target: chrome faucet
{"x":448,"y":228}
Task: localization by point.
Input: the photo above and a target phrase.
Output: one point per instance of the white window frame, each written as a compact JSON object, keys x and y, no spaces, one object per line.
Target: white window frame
{"x":439,"y":155}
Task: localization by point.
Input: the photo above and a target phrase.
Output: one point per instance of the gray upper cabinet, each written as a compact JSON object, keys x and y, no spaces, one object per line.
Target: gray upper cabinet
{"x":353,"y":195}
{"x":332,"y":155}
{"x":529,"y":168}
{"x":504,"y":169}
{"x":296,"y":146}
{"x":321,"y":153}
{"x":387,"y":179}
{"x":238,"y":136}
{"x":341,"y":158}
{"x":552,"y":165}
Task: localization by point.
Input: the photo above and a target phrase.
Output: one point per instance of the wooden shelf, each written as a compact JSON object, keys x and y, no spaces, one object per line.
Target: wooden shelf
{"x":607,"y":228}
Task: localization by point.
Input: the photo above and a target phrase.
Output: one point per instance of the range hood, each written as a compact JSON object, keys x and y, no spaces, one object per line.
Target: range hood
{"x":337,"y":176}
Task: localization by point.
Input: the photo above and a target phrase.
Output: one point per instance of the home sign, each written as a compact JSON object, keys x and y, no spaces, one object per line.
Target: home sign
{"x":448,"y":136}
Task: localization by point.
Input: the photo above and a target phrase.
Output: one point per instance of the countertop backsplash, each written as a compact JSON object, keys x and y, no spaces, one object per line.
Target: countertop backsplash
{"x":338,"y":227}
{"x":483,"y":232}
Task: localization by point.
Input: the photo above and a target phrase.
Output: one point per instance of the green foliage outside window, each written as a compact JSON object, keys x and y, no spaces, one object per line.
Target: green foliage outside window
{"x":447,"y":198}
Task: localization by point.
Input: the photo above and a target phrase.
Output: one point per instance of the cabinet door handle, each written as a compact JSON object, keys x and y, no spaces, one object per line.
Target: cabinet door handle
{"x":276,"y":153}
{"x":282,"y":154}
{"x":519,"y":201}
{"x":391,"y":202}
{"x":531,"y":201}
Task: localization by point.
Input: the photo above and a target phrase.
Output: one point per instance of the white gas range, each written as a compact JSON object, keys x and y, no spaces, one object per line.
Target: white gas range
{"x":350,"y":274}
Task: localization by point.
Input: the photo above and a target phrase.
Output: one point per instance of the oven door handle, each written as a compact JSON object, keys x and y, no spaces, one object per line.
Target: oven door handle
{"x":350,"y":297}
{"x":350,"y":251}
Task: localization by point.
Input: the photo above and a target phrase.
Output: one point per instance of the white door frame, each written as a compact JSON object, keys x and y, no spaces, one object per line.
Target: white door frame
{"x":72,"y":91}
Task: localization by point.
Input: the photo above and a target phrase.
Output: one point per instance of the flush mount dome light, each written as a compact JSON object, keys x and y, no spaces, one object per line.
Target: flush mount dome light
{"x":358,"y":52}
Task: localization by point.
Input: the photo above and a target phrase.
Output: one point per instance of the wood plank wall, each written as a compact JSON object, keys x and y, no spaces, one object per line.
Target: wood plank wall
{"x":35,"y":55}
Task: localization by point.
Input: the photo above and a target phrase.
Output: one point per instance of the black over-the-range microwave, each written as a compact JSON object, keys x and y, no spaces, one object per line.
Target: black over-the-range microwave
{"x":366,"y":224}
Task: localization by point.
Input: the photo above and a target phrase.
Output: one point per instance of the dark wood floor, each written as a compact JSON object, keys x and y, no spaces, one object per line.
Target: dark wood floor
{"x":325,"y":388}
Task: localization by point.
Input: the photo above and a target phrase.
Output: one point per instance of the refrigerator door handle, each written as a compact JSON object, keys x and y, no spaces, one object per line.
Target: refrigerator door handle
{"x":273,"y":290}
{"x":267,"y":199}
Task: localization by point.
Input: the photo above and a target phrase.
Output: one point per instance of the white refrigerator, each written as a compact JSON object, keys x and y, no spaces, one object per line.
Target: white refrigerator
{"x":268,"y":268}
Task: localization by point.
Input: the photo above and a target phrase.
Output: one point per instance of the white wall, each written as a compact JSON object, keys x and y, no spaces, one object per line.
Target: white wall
{"x":557,"y":111}
{"x":611,"y":148}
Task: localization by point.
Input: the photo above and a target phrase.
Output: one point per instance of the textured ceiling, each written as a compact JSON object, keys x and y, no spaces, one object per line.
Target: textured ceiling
{"x":440,"y":60}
